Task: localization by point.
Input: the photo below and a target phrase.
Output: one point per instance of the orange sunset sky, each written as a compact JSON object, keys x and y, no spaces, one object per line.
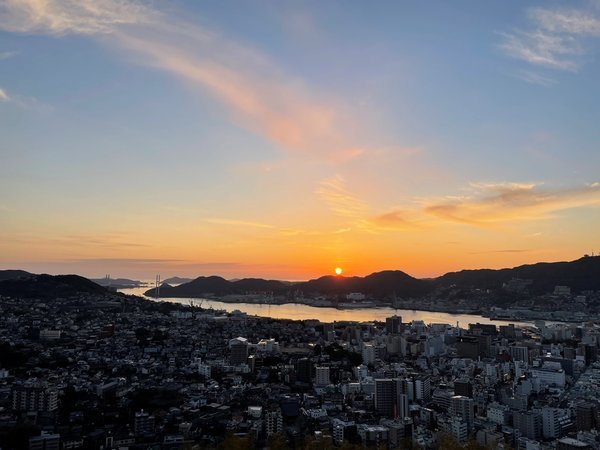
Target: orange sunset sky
{"x":283,"y":140}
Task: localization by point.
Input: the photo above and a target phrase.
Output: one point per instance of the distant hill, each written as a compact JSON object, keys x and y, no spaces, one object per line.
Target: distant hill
{"x":580,"y":275}
{"x":13,"y":274}
{"x":48,"y":286}
{"x":379,"y":284}
{"x":219,"y":286}
{"x":117,"y":282}
{"x":177,"y":280}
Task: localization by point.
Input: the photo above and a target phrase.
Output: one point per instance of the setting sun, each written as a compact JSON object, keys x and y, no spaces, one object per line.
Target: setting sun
{"x":338,"y":271}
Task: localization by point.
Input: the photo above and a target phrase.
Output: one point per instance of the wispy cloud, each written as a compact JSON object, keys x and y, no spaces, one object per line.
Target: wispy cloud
{"x":24,"y":102}
{"x":554,"y":39}
{"x":504,"y":202}
{"x":340,"y":200}
{"x":489,"y":204}
{"x":400,"y":219}
{"x":125,"y":260}
{"x":573,"y":21}
{"x":255,"y":91}
{"x":543,"y":48}
{"x":534,"y":78}
{"x":508,"y":250}
{"x":258,"y":95}
{"x":6,"y":55}
{"x":107,"y":240}
{"x":71,"y":16}
{"x":239,"y":223}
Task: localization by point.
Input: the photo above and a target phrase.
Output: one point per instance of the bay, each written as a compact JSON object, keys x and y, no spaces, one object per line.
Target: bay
{"x":297,"y":311}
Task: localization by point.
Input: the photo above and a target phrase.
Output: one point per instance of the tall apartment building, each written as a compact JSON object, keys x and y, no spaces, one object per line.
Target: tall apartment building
{"x":393,"y":325}
{"x":322,"y":376}
{"x":519,"y":353}
{"x":273,"y":421}
{"x":238,"y":351}
{"x":143,"y":423}
{"x":585,"y":414}
{"x":34,"y":398}
{"x":385,"y":396}
{"x":463,"y":408}
{"x":529,"y":423}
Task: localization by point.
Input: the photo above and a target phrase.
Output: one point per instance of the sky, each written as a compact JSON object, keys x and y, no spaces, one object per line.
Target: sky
{"x":283,"y":139}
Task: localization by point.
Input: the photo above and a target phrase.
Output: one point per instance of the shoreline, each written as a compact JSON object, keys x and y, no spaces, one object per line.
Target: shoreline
{"x":486,"y":314}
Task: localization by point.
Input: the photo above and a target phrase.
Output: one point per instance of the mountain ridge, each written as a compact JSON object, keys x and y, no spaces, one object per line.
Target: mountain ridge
{"x":46,"y":286}
{"x":581,"y":274}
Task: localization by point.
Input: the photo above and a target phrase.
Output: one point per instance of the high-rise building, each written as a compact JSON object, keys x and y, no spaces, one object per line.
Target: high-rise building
{"x":407,"y":386}
{"x":467,"y":347}
{"x":519,"y":353}
{"x":304,"y":368}
{"x":143,"y":424}
{"x":423,"y":388}
{"x":369,"y":354}
{"x":322,"y":376}
{"x":403,"y":405}
{"x":34,"y":398}
{"x":391,"y":398}
{"x":238,"y":351}
{"x":529,"y":423}
{"x":273,"y":421}
{"x":585,"y":414}
{"x":385,"y":396}
{"x":551,"y":424}
{"x":393,"y":325}
{"x":463,"y":408}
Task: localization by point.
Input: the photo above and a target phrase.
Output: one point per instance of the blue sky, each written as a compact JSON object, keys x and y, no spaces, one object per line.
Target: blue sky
{"x":286,"y":138}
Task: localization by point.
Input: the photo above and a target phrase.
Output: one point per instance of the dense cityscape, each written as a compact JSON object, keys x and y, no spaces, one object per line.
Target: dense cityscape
{"x":111,"y":371}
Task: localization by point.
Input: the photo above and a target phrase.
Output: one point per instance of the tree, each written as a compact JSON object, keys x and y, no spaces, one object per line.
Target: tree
{"x":349,"y":446}
{"x":277,"y":441}
{"x":233,"y":442}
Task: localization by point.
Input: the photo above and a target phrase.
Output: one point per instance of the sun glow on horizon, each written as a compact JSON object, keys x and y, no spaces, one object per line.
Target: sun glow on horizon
{"x":338,"y":270}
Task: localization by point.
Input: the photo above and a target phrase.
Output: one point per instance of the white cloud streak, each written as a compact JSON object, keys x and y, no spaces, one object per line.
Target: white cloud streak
{"x":6,"y":55}
{"x":567,"y":21}
{"x":4,"y":96}
{"x":257,"y":94}
{"x":61,"y":17}
{"x":543,"y":49}
{"x":339,"y":199}
{"x":555,"y":39}
{"x":535,"y":78}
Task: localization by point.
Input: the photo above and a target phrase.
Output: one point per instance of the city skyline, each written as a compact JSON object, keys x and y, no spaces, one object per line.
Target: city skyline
{"x":284,"y":140}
